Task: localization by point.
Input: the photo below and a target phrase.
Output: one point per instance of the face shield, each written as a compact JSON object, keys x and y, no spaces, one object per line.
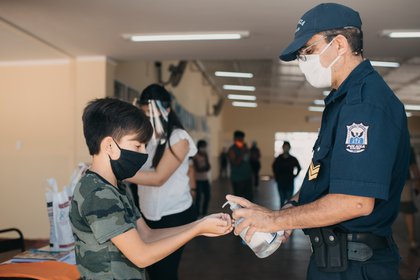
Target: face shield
{"x":158,"y":117}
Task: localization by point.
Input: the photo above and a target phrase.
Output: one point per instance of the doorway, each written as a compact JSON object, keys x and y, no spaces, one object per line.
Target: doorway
{"x":301,"y":148}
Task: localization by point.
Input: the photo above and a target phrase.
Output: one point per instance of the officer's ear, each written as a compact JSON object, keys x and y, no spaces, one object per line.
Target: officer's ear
{"x":342,"y":44}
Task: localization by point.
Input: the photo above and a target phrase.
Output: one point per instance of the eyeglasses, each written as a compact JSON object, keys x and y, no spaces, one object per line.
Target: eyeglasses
{"x":304,"y":51}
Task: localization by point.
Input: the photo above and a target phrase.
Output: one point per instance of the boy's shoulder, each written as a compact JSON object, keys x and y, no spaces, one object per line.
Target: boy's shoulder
{"x":91,"y":184}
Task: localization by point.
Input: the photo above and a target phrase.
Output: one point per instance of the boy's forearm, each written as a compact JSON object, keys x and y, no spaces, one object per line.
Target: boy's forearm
{"x":162,"y":233}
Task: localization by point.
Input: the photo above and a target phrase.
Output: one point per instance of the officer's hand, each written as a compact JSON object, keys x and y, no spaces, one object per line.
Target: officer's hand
{"x":256,"y":217}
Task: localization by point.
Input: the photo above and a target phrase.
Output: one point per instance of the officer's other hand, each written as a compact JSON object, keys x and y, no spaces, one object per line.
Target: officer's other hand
{"x":239,"y":200}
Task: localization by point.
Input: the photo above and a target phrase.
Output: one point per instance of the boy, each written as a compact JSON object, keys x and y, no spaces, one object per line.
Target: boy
{"x":112,"y":239}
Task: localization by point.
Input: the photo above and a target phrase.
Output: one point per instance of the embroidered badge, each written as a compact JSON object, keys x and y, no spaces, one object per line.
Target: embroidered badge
{"x":313,"y":171}
{"x":357,"y":138}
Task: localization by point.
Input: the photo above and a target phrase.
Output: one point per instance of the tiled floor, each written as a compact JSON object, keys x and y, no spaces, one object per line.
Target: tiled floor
{"x":226,"y":258}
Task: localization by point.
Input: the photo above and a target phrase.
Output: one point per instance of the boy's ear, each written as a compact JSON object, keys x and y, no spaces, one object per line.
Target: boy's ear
{"x":106,"y":145}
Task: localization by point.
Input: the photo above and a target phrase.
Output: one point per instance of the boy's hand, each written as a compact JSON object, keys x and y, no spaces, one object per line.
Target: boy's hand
{"x":215,"y":225}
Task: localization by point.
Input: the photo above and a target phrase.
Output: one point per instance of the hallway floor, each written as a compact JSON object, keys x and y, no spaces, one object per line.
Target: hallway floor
{"x":226,"y":258}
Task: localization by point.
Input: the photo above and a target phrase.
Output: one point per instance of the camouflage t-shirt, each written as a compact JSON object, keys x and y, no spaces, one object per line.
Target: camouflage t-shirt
{"x":99,"y":212}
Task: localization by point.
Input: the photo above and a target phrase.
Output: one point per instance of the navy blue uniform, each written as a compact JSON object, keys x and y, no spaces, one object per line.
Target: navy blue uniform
{"x":362,"y":149}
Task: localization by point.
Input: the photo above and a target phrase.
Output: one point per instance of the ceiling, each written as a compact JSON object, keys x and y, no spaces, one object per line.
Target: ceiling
{"x":62,"y":29}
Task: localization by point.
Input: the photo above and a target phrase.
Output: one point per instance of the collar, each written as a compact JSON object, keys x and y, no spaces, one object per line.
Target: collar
{"x":105,"y":181}
{"x":355,"y":77}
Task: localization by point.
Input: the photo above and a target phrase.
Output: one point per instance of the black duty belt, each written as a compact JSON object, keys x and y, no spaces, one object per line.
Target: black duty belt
{"x":333,"y":248}
{"x":372,"y":240}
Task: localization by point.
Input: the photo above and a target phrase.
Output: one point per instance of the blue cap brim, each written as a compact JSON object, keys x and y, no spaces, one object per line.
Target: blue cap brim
{"x":290,"y":52}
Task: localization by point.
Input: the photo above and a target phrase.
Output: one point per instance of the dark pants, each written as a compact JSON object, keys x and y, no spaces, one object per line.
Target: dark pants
{"x":256,"y":166}
{"x":243,"y":189}
{"x":384,"y":265}
{"x":285,"y":191}
{"x":167,"y":268}
{"x":203,"y":189}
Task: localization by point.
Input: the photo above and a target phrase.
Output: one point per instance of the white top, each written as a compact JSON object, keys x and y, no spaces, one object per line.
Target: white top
{"x":174,"y":195}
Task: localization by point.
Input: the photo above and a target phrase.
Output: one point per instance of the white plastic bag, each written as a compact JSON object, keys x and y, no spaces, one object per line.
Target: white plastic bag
{"x":58,"y":205}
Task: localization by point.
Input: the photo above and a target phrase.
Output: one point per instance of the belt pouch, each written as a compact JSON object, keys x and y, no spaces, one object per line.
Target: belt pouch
{"x":336,"y":244}
{"x":319,"y":248}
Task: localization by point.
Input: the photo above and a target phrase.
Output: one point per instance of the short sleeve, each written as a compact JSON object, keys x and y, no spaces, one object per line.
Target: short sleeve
{"x":180,"y":134}
{"x":364,"y":152}
{"x":106,"y":215}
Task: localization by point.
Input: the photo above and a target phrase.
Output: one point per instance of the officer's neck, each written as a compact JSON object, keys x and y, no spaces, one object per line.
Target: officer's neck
{"x":343,"y":68}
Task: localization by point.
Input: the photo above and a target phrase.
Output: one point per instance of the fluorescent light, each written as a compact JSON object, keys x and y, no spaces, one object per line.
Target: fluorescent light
{"x":412,"y":107}
{"x":315,"y":109}
{"x":401,"y":33}
{"x":236,"y":87}
{"x":186,"y":36}
{"x":319,"y":102}
{"x":244,"y":104}
{"x":233,"y":74}
{"x":326,"y":92}
{"x":242,"y":97}
{"x":385,"y":64}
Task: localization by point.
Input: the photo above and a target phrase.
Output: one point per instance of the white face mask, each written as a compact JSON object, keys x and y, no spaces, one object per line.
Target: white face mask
{"x":316,"y":74}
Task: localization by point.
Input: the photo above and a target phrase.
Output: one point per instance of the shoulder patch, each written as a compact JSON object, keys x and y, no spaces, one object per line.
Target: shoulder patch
{"x":357,"y":138}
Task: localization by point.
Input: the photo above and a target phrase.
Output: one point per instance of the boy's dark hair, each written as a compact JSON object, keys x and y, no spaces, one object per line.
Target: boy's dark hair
{"x":201,"y":143}
{"x":112,"y":117}
{"x":238,"y":134}
{"x":286,"y":143}
{"x":158,"y":92}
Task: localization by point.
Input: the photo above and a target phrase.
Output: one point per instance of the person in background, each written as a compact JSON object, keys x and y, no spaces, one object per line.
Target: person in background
{"x":202,"y":168}
{"x":407,"y":206}
{"x":285,"y":168}
{"x":240,"y":167}
{"x":164,"y":185}
{"x":254,"y":159}
{"x":223,"y":162}
{"x":350,"y":196}
{"x":112,"y":241}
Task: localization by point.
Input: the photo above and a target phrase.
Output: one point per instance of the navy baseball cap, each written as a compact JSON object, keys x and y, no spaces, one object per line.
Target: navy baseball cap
{"x":323,"y":17}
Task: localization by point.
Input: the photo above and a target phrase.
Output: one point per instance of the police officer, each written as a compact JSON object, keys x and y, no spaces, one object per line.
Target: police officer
{"x":350,"y":196}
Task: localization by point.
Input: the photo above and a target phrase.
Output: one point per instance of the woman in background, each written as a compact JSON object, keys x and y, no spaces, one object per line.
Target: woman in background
{"x":163,"y":182}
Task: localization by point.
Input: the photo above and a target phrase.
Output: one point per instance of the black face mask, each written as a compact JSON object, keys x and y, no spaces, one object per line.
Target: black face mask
{"x":127,"y":165}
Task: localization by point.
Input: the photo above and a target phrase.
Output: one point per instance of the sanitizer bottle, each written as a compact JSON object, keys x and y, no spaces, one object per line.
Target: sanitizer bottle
{"x":262,"y":243}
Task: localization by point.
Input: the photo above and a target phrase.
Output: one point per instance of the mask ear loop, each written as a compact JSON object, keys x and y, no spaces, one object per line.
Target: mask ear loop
{"x":326,"y":47}
{"x":117,"y":146}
